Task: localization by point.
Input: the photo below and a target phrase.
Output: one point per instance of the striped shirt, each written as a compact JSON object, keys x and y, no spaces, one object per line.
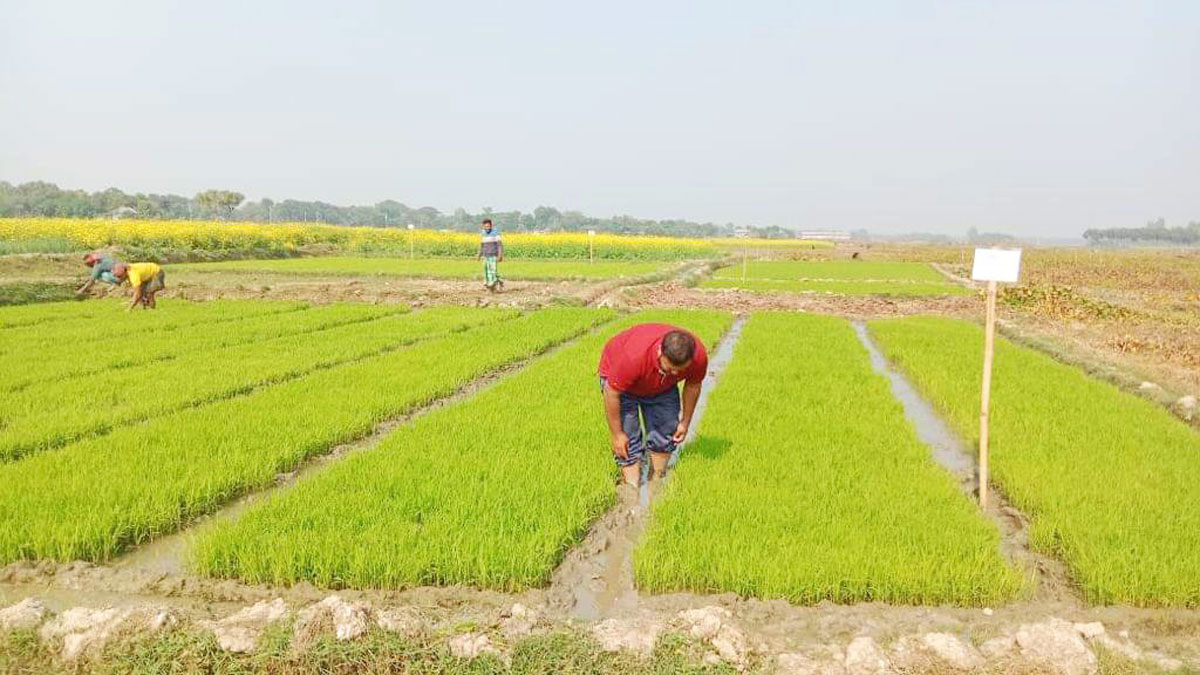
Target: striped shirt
{"x":489,"y":246}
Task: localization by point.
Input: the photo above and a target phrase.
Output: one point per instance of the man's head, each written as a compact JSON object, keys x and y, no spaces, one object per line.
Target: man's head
{"x":91,"y":259}
{"x":487,"y":224}
{"x":120,"y":270}
{"x":678,"y":348}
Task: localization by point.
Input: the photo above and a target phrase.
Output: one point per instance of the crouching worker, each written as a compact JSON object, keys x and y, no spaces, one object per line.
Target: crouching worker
{"x":147,"y":279}
{"x":102,"y":266}
{"x":640,"y":369}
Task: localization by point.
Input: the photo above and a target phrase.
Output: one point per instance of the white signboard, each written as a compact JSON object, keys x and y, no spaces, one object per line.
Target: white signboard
{"x":591,"y":233}
{"x":996,"y":264}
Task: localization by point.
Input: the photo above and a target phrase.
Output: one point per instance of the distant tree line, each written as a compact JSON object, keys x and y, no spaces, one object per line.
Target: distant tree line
{"x":1155,"y":231}
{"x":48,"y":200}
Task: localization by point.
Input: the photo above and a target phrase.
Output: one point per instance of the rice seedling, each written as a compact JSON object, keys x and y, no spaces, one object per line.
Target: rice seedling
{"x":48,"y":414}
{"x":443,"y":268}
{"x":106,"y":321}
{"x":1107,"y":478}
{"x":96,"y":497}
{"x":57,"y":360}
{"x":29,"y":315}
{"x":491,"y":492}
{"x":806,"y":482}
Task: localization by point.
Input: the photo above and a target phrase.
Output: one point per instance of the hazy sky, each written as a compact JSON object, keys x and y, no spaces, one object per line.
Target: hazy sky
{"x":1034,"y":117}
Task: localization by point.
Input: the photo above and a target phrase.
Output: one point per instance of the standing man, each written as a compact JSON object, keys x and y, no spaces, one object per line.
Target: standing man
{"x":147,"y":279}
{"x":639,"y":370}
{"x":491,"y":252}
{"x":102,"y":266}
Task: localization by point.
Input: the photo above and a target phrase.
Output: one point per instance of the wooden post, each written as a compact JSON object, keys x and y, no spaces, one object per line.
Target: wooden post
{"x":412,"y":251}
{"x":989,"y":339}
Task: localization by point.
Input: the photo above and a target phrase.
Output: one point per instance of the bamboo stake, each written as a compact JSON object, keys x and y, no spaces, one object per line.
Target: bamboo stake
{"x":986,"y":396}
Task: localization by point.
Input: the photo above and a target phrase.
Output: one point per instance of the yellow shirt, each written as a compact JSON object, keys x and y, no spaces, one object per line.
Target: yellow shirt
{"x":140,"y":273}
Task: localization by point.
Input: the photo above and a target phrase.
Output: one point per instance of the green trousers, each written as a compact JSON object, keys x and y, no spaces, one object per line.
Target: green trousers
{"x":491,"y":270}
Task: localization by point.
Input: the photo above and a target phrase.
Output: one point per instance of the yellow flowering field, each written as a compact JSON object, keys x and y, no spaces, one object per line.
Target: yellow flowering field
{"x":211,"y":235}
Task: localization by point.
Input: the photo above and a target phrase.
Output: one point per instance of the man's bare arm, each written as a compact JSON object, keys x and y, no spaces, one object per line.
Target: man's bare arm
{"x":137,"y":297}
{"x":691,"y":394}
{"x":612,"y":412}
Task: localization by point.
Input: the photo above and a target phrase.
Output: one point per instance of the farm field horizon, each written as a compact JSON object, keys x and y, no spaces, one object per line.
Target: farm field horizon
{"x":379,"y":424}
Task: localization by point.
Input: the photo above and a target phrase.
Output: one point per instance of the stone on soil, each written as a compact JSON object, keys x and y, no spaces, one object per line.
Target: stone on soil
{"x":471,"y":646}
{"x":711,"y":624}
{"x":944,"y":647}
{"x":81,"y":629}
{"x":1187,"y":405}
{"x":349,"y":619}
{"x":1090,"y":630}
{"x":1057,"y":646}
{"x":518,"y":621}
{"x":24,"y":615}
{"x":864,"y":657}
{"x":633,"y":635}
{"x":240,"y":632}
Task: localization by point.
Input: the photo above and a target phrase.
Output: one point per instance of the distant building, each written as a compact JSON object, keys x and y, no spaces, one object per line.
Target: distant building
{"x":827,"y":235}
{"x":123,"y":212}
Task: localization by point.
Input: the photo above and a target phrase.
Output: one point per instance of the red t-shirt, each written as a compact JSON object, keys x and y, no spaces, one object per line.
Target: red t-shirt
{"x":630,"y":361}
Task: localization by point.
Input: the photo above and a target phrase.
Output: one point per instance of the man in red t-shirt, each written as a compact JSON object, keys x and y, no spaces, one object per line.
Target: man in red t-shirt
{"x":639,"y":370}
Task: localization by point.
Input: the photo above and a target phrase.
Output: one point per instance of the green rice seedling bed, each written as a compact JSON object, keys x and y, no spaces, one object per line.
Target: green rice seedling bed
{"x":805,"y":482}
{"x":491,"y":492}
{"x":87,"y":357}
{"x":435,"y":268}
{"x":95,"y":498}
{"x":49,"y":414}
{"x":41,"y":313}
{"x":1108,"y":479}
{"x":841,"y":270}
{"x":884,"y":288}
{"x":106,"y":320}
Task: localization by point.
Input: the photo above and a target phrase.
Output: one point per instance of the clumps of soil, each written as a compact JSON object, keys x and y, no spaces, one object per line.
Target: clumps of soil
{"x":346,"y":620}
{"x":241,"y":631}
{"x":29,"y":613}
{"x":636,"y":635}
{"x":82,"y":630}
{"x":1048,"y":645}
{"x":713,"y":626}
